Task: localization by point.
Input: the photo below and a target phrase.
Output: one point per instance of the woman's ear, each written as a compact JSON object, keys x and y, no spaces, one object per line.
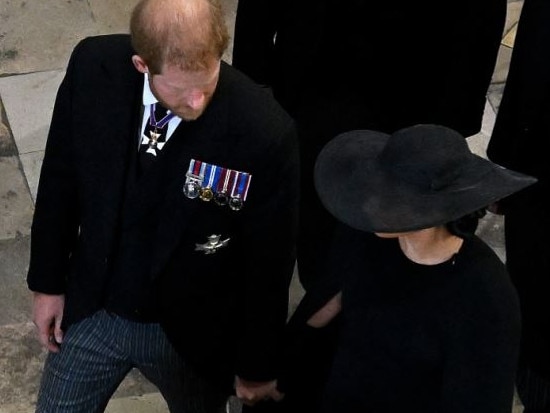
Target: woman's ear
{"x":140,"y":64}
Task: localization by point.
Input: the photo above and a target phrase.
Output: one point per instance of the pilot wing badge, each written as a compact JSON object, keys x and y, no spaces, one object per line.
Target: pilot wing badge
{"x":212,"y":245}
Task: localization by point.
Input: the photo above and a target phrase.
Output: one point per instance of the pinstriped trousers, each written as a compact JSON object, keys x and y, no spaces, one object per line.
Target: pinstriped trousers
{"x":99,"y":351}
{"x":533,"y":390}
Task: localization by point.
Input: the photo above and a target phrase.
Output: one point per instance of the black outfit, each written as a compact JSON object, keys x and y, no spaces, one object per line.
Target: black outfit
{"x":339,"y":65}
{"x":423,"y":338}
{"x":519,"y":141}
{"x":110,"y":239}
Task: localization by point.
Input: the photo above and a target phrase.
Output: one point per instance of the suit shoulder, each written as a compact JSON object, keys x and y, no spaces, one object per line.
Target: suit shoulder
{"x":252,"y":102}
{"x":103,"y":47}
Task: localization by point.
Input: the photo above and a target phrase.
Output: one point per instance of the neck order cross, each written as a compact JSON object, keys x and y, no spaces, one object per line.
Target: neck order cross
{"x":156,"y":128}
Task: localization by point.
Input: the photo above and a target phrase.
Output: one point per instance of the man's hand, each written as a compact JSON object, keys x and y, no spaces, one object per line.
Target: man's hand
{"x":251,"y":392}
{"x":47,"y":315}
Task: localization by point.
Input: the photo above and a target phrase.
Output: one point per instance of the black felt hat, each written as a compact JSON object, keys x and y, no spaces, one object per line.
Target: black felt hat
{"x":419,"y":177}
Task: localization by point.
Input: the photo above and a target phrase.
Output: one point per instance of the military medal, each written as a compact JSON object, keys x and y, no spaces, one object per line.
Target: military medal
{"x":211,"y":182}
{"x":193,"y":180}
{"x":153,"y":139}
{"x":239,"y":190}
{"x":206,"y":193}
{"x":221,"y":196}
{"x":152,"y":142}
{"x":235,"y":203}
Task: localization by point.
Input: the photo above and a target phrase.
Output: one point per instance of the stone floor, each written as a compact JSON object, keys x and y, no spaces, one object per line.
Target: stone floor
{"x":36,"y":38}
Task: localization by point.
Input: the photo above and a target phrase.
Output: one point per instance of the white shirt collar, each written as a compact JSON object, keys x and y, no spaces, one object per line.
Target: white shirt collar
{"x":148,"y":97}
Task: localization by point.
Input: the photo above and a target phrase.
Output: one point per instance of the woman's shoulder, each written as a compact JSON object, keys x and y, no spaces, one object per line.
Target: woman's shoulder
{"x":479,"y":258}
{"x":483,"y":279}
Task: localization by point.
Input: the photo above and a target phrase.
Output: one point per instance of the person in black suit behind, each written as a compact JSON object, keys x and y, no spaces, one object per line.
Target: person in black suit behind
{"x":163,"y":241}
{"x":519,"y":141}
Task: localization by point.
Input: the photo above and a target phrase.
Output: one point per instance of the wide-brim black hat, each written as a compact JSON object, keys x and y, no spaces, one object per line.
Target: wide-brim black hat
{"x":419,"y":177}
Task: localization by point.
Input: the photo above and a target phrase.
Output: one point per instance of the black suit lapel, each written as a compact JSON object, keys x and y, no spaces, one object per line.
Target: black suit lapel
{"x":114,"y":140}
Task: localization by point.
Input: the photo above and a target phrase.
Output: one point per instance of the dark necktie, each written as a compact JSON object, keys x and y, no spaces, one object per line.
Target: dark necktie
{"x":154,"y":135}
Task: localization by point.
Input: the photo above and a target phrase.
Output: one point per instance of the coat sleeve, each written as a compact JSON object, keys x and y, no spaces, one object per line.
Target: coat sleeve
{"x":55,"y":222}
{"x":269,"y":263}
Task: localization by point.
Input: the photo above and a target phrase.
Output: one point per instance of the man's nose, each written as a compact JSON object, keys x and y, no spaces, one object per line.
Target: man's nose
{"x":195,"y":100}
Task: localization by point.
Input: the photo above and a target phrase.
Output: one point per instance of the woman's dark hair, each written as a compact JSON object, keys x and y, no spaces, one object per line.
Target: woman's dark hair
{"x":466,"y":226}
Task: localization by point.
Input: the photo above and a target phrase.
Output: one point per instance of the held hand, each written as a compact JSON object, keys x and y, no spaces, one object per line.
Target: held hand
{"x":251,"y":392}
{"x":47,"y":315}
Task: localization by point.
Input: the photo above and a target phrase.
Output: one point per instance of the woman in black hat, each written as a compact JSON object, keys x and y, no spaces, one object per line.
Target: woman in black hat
{"x":430,"y":319}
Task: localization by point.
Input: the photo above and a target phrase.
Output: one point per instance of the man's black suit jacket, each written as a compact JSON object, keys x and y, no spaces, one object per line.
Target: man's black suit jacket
{"x":224,"y":311}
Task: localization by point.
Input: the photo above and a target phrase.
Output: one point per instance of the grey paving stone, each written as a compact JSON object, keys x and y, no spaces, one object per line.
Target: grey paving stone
{"x":230,"y":10}
{"x":491,"y":230}
{"x":112,"y":16}
{"x":16,"y":207}
{"x":295,"y":294}
{"x":502,"y":65}
{"x":39,"y":35}
{"x":32,"y":162}
{"x":495,"y":95}
{"x":7,"y":145}
{"x":28,"y":101}
{"x":513,"y":11}
{"x":14,"y":295}
{"x":147,"y":403}
{"x":21,"y":359}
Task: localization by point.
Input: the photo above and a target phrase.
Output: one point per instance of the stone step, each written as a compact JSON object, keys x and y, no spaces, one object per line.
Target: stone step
{"x":147,"y":403}
{"x":21,"y":360}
